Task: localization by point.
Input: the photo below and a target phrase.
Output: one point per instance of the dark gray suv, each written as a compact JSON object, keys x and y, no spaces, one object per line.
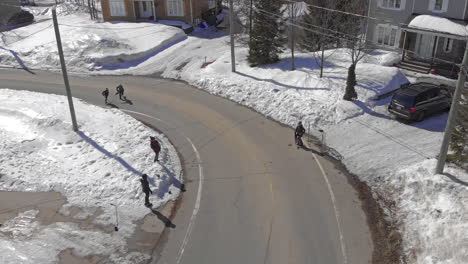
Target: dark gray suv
{"x":419,"y":100}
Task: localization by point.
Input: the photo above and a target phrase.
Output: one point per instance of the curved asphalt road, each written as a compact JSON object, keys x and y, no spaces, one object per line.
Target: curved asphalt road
{"x":262,"y":200}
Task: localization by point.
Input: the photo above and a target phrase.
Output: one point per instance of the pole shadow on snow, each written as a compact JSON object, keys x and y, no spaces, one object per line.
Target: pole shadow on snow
{"x":163,"y":219}
{"x":455,"y":179}
{"x":168,"y":180}
{"x":19,"y":60}
{"x":110,"y":155}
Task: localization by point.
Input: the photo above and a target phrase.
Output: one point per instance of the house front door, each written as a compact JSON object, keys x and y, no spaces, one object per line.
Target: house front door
{"x":145,"y":8}
{"x":424,"y":46}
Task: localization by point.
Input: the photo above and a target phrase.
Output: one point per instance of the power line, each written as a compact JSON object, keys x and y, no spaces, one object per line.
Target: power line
{"x":348,"y":13}
{"x":308,"y":24}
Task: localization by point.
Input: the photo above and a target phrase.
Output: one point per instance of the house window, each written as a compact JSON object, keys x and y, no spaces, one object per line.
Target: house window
{"x":392,"y":4}
{"x":387,"y":35}
{"x":144,"y":6}
{"x":117,"y":8}
{"x":438,"y":6}
{"x":448,"y":43}
{"x":175,"y":8}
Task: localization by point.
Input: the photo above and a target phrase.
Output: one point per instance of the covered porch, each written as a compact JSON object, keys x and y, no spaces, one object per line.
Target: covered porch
{"x":433,"y":43}
{"x":144,"y":10}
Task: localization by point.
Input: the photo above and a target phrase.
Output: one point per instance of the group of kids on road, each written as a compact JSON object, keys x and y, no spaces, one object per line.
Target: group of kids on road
{"x":156,"y":147}
{"x":120,"y":92}
{"x":154,"y":144}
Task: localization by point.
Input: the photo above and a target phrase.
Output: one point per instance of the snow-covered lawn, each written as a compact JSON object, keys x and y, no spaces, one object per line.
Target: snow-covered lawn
{"x":396,"y":159}
{"x":94,"y":168}
{"x":87,"y":45}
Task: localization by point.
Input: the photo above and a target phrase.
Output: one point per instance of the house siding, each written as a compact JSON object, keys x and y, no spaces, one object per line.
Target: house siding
{"x":198,"y":6}
{"x":455,"y":9}
{"x":129,"y":7}
{"x":387,"y":16}
{"x":454,"y":55}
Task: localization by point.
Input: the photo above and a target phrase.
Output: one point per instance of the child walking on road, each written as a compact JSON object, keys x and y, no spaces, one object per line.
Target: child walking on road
{"x":105,"y":93}
{"x":120,"y":91}
{"x":298,"y":133}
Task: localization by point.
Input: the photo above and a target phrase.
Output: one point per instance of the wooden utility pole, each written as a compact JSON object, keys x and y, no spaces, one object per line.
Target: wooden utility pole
{"x":453,"y":114}
{"x":250,"y":20}
{"x":64,"y":70}
{"x":292,"y":16}
{"x":231,"y":31}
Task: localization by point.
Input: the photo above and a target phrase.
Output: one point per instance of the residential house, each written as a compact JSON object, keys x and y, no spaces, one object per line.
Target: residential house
{"x":188,"y":11}
{"x":431,"y":34}
{"x":7,"y":9}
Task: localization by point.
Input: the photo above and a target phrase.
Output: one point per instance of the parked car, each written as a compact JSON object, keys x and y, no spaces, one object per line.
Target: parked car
{"x":419,"y":100}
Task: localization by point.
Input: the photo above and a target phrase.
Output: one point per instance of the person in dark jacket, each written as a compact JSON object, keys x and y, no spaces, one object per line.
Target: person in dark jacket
{"x":156,"y":147}
{"x":120,"y":91}
{"x":146,"y":189}
{"x":298,"y":133}
{"x":105,"y":93}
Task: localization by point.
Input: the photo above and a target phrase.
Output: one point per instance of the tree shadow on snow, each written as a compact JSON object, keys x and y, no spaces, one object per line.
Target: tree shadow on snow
{"x":369,"y":111}
{"x":280,"y":84}
{"x":19,"y":60}
{"x":167,"y":180}
{"x":299,"y":62}
{"x":108,"y":154}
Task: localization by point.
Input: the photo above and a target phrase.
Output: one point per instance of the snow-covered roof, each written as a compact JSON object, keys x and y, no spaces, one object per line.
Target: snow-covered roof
{"x":439,"y":24}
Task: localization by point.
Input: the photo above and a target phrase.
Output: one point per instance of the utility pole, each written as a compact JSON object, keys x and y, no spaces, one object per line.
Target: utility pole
{"x":64,"y":70}
{"x":292,"y":16}
{"x":250,"y":21}
{"x":453,"y":114}
{"x":231,"y":31}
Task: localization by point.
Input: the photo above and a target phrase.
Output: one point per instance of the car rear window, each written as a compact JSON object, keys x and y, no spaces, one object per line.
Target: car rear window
{"x":404,"y":99}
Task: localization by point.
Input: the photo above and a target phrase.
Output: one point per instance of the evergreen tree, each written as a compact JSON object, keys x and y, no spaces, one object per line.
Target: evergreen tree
{"x":459,"y":140}
{"x":267,"y":37}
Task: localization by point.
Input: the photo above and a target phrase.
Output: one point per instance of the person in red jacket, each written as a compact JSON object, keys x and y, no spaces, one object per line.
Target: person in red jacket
{"x":156,"y":147}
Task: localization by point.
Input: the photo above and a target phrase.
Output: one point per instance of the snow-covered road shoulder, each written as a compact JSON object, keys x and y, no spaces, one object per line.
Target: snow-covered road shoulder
{"x":94,"y":168}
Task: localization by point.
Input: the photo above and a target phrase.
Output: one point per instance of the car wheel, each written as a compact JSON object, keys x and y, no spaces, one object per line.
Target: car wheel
{"x":421,"y":116}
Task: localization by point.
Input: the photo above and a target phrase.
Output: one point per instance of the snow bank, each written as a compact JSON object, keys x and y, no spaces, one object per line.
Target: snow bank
{"x":87,"y":45}
{"x":98,"y":166}
{"x":439,"y":24}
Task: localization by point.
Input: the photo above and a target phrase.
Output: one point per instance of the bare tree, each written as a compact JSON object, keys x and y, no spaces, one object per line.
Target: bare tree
{"x":351,"y":26}
{"x":320,"y":30}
